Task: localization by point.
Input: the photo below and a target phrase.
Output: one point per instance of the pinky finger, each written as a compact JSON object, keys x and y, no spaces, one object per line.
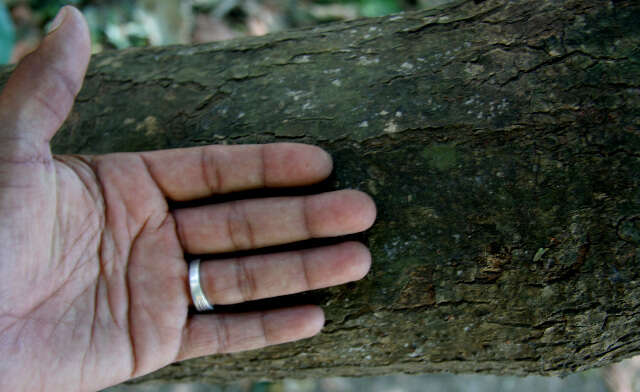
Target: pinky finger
{"x":226,"y":333}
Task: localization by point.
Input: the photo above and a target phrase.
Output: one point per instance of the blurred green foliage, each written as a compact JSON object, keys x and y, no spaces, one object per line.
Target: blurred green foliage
{"x":7,"y":35}
{"x":369,"y":8}
{"x":372,"y":8}
{"x":118,"y":24}
{"x":261,"y":386}
{"x":49,"y":8}
{"x":113,"y":25}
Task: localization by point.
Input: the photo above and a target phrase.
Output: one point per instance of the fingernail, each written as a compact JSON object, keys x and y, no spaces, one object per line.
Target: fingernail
{"x":57,"y":21}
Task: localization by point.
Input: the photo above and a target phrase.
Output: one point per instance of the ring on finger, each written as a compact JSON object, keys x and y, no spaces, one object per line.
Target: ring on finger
{"x":197,"y":294}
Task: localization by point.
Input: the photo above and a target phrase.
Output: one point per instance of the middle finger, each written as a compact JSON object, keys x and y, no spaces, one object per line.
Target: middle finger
{"x":251,"y":224}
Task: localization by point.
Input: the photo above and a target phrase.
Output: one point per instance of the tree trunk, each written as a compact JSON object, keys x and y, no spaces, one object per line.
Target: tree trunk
{"x":500,"y":140}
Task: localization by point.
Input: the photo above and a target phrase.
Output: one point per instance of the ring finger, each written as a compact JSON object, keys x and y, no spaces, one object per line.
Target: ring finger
{"x":249,"y":278}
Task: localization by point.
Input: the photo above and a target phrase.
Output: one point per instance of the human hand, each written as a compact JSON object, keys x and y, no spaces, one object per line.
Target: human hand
{"x":93,"y":280}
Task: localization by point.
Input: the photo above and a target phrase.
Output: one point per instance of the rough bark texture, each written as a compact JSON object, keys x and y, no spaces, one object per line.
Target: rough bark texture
{"x":500,"y":141}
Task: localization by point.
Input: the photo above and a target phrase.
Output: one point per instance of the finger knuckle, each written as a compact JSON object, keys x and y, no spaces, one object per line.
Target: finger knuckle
{"x":246,"y":281}
{"x":240,"y":231}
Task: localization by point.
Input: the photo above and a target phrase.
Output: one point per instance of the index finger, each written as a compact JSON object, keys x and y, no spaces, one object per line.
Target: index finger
{"x":191,"y":173}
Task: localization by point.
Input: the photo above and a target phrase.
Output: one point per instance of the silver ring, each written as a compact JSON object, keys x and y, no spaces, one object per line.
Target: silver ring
{"x":199,"y":299}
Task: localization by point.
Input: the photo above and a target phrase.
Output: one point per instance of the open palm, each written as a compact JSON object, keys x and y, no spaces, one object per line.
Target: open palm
{"x":93,"y":280}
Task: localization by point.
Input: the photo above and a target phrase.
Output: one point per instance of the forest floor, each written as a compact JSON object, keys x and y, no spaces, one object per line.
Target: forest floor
{"x":590,"y":381}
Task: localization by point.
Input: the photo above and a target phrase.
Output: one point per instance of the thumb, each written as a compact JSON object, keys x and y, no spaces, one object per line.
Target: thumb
{"x":40,"y":93}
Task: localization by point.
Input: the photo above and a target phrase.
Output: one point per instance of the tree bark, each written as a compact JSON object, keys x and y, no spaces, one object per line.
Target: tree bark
{"x":500,"y":140}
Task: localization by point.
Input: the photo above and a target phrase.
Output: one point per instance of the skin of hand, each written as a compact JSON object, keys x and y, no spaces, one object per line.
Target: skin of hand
{"x":93,"y":279}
